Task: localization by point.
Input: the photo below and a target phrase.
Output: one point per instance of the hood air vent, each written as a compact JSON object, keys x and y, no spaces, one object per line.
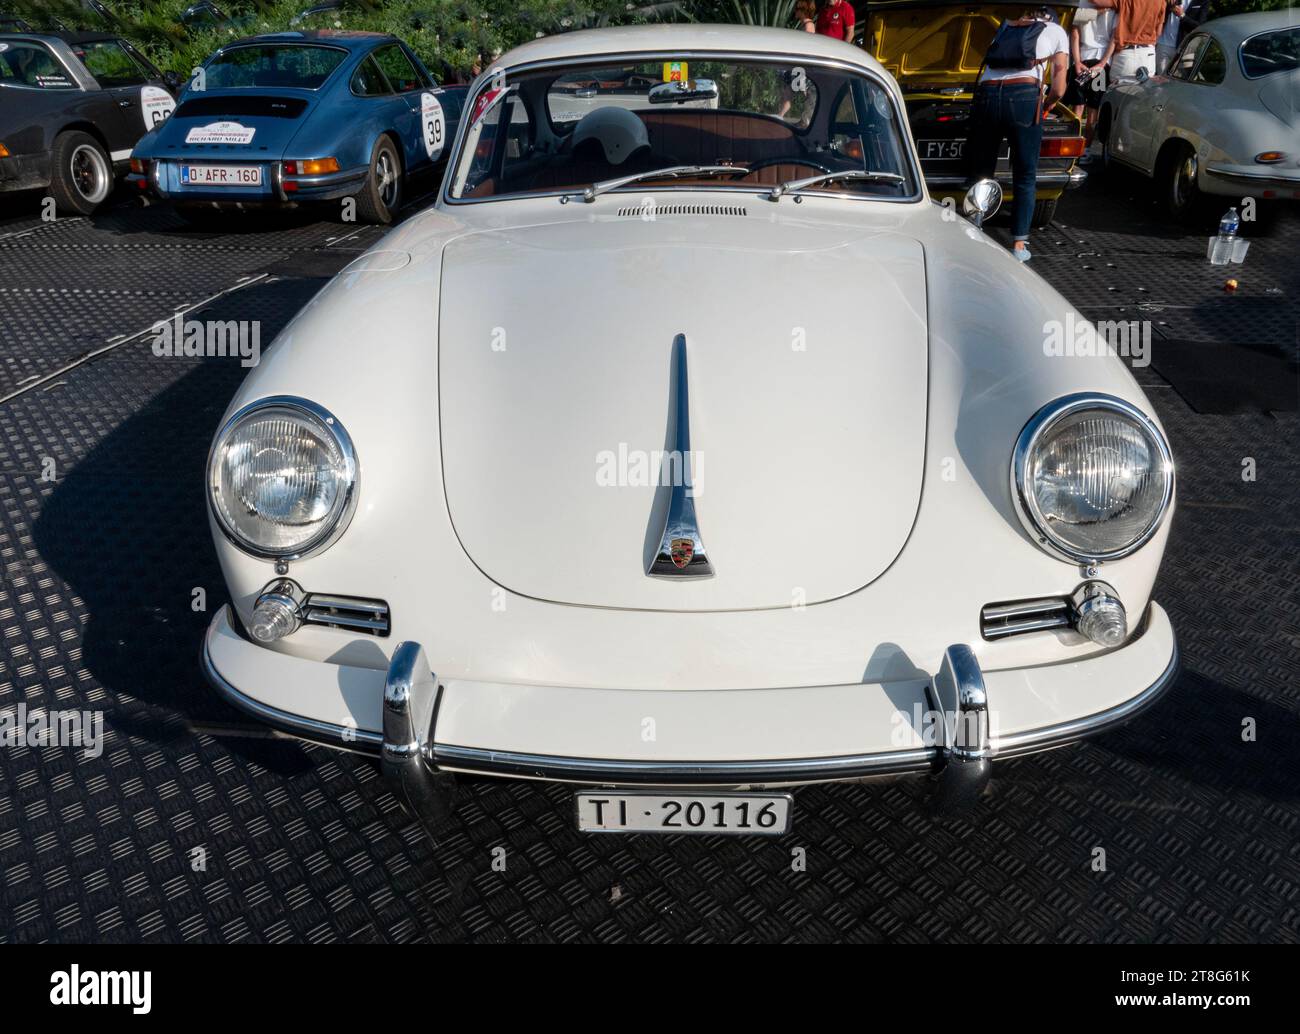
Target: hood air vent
{"x":641,"y":211}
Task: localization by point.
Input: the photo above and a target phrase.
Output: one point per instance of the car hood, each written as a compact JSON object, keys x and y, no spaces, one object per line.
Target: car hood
{"x":806,"y":352}
{"x":210,"y":123}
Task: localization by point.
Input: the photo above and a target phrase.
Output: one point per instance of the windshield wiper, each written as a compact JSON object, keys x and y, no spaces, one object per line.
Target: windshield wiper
{"x":672,"y":172}
{"x":827,"y":177}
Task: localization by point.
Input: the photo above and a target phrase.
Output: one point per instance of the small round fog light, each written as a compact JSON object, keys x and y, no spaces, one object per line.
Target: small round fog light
{"x":1099,"y":615}
{"x":276,"y":613}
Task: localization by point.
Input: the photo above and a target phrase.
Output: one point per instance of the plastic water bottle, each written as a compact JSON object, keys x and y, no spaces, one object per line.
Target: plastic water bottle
{"x":1221,"y":247}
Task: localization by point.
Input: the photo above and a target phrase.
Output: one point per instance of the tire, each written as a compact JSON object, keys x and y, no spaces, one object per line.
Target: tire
{"x":1175,"y":181}
{"x":1044,"y":211}
{"x":81,"y":176}
{"x":381,"y":197}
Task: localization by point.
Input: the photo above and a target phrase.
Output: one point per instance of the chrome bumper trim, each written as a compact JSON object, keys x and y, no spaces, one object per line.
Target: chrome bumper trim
{"x":1267,"y":173}
{"x":416,"y":765}
{"x":474,"y":760}
{"x":360,"y":741}
{"x":1074,"y":178}
{"x":1033,"y":740}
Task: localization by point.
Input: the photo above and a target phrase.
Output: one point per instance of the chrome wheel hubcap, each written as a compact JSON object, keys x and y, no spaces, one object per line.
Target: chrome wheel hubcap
{"x":89,"y":173}
{"x":387,"y":180}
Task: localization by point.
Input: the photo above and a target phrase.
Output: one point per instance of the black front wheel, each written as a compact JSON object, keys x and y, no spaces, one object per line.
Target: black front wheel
{"x":1176,"y":181}
{"x":82,"y":175}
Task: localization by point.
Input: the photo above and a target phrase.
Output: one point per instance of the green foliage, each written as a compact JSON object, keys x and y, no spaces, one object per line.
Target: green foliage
{"x":451,"y":36}
{"x":776,"y":13}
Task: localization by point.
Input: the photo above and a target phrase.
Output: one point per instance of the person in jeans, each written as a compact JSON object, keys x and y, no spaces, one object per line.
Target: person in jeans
{"x":1132,"y":47}
{"x":1009,"y":104}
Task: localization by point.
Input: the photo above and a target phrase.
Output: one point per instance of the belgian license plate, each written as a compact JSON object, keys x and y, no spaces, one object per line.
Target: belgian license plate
{"x":634,"y":811}
{"x":221,"y":175}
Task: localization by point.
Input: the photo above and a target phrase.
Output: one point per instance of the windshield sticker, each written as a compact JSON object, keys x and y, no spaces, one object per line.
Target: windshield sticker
{"x":156,"y":104}
{"x":220,"y":133}
{"x":435,"y":131}
{"x":675,"y":72}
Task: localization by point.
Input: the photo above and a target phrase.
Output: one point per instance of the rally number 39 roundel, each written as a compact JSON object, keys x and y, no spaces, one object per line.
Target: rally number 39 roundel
{"x":435,"y":131}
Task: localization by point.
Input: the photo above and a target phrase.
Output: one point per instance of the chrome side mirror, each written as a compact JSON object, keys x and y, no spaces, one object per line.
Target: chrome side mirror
{"x":982,"y":200}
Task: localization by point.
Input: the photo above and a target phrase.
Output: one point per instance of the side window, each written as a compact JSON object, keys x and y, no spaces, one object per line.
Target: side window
{"x":1213,"y":66}
{"x":368,"y":81}
{"x":1186,"y":59}
{"x":111,"y":65}
{"x":33,"y":66}
{"x":397,"y":68}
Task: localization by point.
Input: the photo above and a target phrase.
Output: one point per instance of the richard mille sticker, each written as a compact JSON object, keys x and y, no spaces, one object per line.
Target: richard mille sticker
{"x":220,"y":133}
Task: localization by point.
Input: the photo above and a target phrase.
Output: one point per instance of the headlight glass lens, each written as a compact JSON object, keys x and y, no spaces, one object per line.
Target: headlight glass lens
{"x":282,"y":477}
{"x":1097,"y":482}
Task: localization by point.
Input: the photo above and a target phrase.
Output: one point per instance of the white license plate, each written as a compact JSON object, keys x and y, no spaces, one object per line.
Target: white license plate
{"x":634,"y":811}
{"x":221,"y":175}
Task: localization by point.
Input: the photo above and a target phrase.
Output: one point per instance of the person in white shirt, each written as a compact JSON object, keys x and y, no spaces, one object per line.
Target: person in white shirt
{"x":1167,"y":44}
{"x":1090,"y":32}
{"x":1009,"y":103}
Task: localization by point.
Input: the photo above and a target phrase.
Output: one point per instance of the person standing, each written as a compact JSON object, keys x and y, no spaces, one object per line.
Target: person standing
{"x":1090,"y":32}
{"x":1167,"y":44}
{"x":1138,"y":24}
{"x":1009,"y":104}
{"x":835,"y":19}
{"x":805,"y":16}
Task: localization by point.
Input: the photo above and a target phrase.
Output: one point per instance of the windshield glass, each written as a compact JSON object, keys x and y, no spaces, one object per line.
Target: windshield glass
{"x":1271,"y":52}
{"x":293,"y":66}
{"x":564,"y":129}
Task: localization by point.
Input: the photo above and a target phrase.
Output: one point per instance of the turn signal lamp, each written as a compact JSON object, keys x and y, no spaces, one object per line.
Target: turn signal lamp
{"x":319,"y":166}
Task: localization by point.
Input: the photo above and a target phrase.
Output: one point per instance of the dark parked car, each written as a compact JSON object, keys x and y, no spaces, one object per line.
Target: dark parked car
{"x":72,"y":105}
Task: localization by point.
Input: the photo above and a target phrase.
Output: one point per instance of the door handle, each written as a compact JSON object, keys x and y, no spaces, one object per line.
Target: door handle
{"x":125,"y":103}
{"x":1157,"y":107}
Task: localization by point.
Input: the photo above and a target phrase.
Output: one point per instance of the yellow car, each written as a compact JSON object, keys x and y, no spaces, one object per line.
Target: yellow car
{"x":935,"y":50}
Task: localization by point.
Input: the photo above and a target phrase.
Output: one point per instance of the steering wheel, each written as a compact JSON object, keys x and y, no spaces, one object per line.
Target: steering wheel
{"x":765,"y":163}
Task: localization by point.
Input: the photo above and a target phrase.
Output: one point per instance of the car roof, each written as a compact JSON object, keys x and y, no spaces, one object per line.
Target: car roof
{"x":685,"y":38}
{"x":1237,"y":27}
{"x":347,"y":39}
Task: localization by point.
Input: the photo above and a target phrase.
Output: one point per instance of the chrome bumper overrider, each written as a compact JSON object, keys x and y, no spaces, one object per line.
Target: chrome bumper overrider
{"x":419,"y":768}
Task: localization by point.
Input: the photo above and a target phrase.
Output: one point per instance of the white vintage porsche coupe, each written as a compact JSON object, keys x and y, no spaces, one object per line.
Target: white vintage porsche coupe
{"x":685,"y":450}
{"x":1224,"y":121}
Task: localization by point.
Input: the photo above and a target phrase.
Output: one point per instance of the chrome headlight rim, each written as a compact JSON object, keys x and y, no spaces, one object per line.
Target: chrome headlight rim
{"x":1025,"y":500}
{"x":325,"y":421}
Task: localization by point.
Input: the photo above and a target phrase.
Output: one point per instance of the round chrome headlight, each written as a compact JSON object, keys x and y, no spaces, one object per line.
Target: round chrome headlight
{"x":1092,"y":477}
{"x":282,"y":478}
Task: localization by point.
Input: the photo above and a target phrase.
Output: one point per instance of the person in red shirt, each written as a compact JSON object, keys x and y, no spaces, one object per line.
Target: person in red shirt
{"x":835,"y":19}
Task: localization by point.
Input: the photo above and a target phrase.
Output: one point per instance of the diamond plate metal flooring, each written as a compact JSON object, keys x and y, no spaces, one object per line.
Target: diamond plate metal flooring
{"x":1201,"y":830}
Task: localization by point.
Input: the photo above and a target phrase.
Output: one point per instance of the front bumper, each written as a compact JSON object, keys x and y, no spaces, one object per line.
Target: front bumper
{"x":1048,"y":184}
{"x":1256,"y":180}
{"x":957,"y":720}
{"x":25,"y":171}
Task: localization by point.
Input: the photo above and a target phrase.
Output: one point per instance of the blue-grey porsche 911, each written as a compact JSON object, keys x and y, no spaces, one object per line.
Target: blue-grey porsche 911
{"x":299,"y":117}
